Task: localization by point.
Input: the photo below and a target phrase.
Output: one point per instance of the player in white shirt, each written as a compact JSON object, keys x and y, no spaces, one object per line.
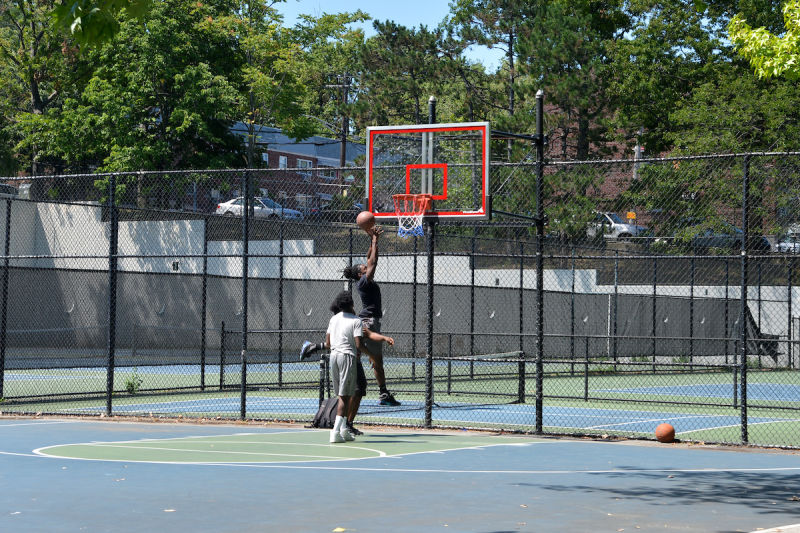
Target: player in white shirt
{"x":344,"y":339}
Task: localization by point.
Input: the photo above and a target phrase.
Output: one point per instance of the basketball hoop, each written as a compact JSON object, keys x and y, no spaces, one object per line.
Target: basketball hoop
{"x":409,"y":209}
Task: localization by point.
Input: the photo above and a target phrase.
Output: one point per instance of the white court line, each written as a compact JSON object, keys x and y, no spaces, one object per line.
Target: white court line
{"x":739,"y":425}
{"x":645,"y":421}
{"x":36,"y":423}
{"x":524,"y":472}
{"x":794,"y":528}
{"x":20,"y":454}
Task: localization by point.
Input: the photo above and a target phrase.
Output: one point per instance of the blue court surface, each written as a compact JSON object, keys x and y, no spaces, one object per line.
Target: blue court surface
{"x":755,"y":391}
{"x":454,"y":414}
{"x":119,"y":476}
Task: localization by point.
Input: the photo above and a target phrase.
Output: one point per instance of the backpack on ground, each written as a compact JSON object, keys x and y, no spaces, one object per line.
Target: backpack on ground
{"x":326,"y":415}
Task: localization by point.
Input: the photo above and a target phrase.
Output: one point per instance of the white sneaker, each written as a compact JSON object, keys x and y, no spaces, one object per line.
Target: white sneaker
{"x":346,"y":435}
{"x":336,"y":436}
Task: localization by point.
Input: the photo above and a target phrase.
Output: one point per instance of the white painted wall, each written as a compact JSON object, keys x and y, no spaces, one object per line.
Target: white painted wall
{"x":78,"y":236}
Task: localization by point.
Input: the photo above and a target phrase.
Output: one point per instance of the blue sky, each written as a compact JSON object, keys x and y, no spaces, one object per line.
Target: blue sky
{"x":410,"y":13}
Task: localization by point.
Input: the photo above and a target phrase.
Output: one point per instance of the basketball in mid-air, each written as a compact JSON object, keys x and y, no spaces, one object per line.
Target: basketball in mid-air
{"x":365,"y":220}
{"x":665,"y":433}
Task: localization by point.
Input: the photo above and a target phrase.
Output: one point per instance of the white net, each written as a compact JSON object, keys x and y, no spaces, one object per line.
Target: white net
{"x":410,"y":210}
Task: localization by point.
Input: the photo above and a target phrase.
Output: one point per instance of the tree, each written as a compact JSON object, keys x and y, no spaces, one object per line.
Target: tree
{"x":271,"y":71}
{"x":770,"y":55}
{"x":37,"y":67}
{"x":565,"y":51}
{"x":670,"y":49}
{"x":496,"y":24}
{"x":399,"y":68}
{"x":93,"y":22}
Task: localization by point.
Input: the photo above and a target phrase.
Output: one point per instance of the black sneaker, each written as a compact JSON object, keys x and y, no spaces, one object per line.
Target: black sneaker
{"x":355,"y":431}
{"x":386,"y":398}
{"x":307,"y":349}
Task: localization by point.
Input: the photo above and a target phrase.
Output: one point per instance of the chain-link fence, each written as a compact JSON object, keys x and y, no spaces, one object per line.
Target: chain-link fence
{"x":666,"y":296}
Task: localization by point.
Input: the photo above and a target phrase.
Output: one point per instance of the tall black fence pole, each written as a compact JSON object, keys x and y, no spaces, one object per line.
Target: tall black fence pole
{"x":430,"y":243}
{"x":4,"y":303}
{"x":521,"y":364}
{"x":540,"y":140}
{"x":112,"y":290}
{"x":572,"y":316}
{"x":472,"y":266}
{"x":615,"y":355}
{"x":789,"y":344}
{"x":655,"y":304}
{"x":691,"y":312}
{"x":743,"y":296}
{"x":414,"y":316}
{"x":727,"y":310}
{"x":281,"y":248}
{"x":245,"y":275}
{"x":204,"y":310}
{"x":431,"y":234}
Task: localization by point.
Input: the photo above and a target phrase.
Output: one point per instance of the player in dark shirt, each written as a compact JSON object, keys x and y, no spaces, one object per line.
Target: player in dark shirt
{"x":372,"y":311}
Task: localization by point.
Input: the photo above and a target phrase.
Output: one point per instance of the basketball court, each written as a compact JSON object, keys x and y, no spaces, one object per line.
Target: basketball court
{"x":78,"y":475}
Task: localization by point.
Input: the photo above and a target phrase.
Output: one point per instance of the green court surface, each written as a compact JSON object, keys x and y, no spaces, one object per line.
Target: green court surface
{"x":277,"y":447}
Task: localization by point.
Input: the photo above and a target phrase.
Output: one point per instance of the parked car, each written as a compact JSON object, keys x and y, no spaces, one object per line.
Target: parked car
{"x":722,"y":236}
{"x":263,"y":207}
{"x":612,"y":226}
{"x":789,"y":242}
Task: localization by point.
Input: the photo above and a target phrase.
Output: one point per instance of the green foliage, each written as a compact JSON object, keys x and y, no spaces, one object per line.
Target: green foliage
{"x":563,"y":48}
{"x":670,"y":49}
{"x":133,"y":382}
{"x":770,"y":55}
{"x":92,"y":22}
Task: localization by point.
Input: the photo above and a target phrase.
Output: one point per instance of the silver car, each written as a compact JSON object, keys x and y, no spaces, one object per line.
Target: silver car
{"x":263,"y":207}
{"x":612,"y":226}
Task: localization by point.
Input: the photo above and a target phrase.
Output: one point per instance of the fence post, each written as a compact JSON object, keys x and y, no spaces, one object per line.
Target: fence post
{"x":245,"y":275}
{"x":281,"y":237}
{"x":655,"y":300}
{"x":521,"y":364}
{"x":222,"y":356}
{"x":540,"y":140}
{"x":727,"y":314}
{"x":758,"y":320}
{"x":743,"y":297}
{"x":429,"y":348}
{"x":472,"y":295}
{"x":112,"y":290}
{"x":4,"y":303}
{"x":691,"y":312}
{"x":204,"y":310}
{"x":616,"y":306}
{"x":789,"y":343}
{"x":414,"y":317}
{"x":572,"y":316}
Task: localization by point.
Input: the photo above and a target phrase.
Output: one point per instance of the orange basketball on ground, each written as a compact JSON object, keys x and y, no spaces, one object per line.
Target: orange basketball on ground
{"x":665,"y":433}
{"x":365,"y":220}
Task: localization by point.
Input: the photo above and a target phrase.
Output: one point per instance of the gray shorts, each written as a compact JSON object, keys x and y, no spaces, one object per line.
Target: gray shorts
{"x":343,"y":370}
{"x":375,"y":347}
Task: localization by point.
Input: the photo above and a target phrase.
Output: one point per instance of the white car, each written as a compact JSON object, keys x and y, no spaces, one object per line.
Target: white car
{"x":789,"y":244}
{"x":263,"y":207}
{"x":613,"y":226}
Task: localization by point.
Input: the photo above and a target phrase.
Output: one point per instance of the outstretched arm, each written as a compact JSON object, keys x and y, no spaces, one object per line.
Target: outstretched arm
{"x":372,"y":253}
{"x":377,"y":337}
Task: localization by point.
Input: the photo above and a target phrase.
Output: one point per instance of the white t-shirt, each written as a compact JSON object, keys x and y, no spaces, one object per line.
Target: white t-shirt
{"x":343,"y":329}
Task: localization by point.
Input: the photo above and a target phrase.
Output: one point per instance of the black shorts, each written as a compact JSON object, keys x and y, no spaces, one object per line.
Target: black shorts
{"x":361,"y":379}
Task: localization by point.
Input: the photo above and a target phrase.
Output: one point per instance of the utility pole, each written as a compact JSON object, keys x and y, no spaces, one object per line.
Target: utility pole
{"x":343,"y":82}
